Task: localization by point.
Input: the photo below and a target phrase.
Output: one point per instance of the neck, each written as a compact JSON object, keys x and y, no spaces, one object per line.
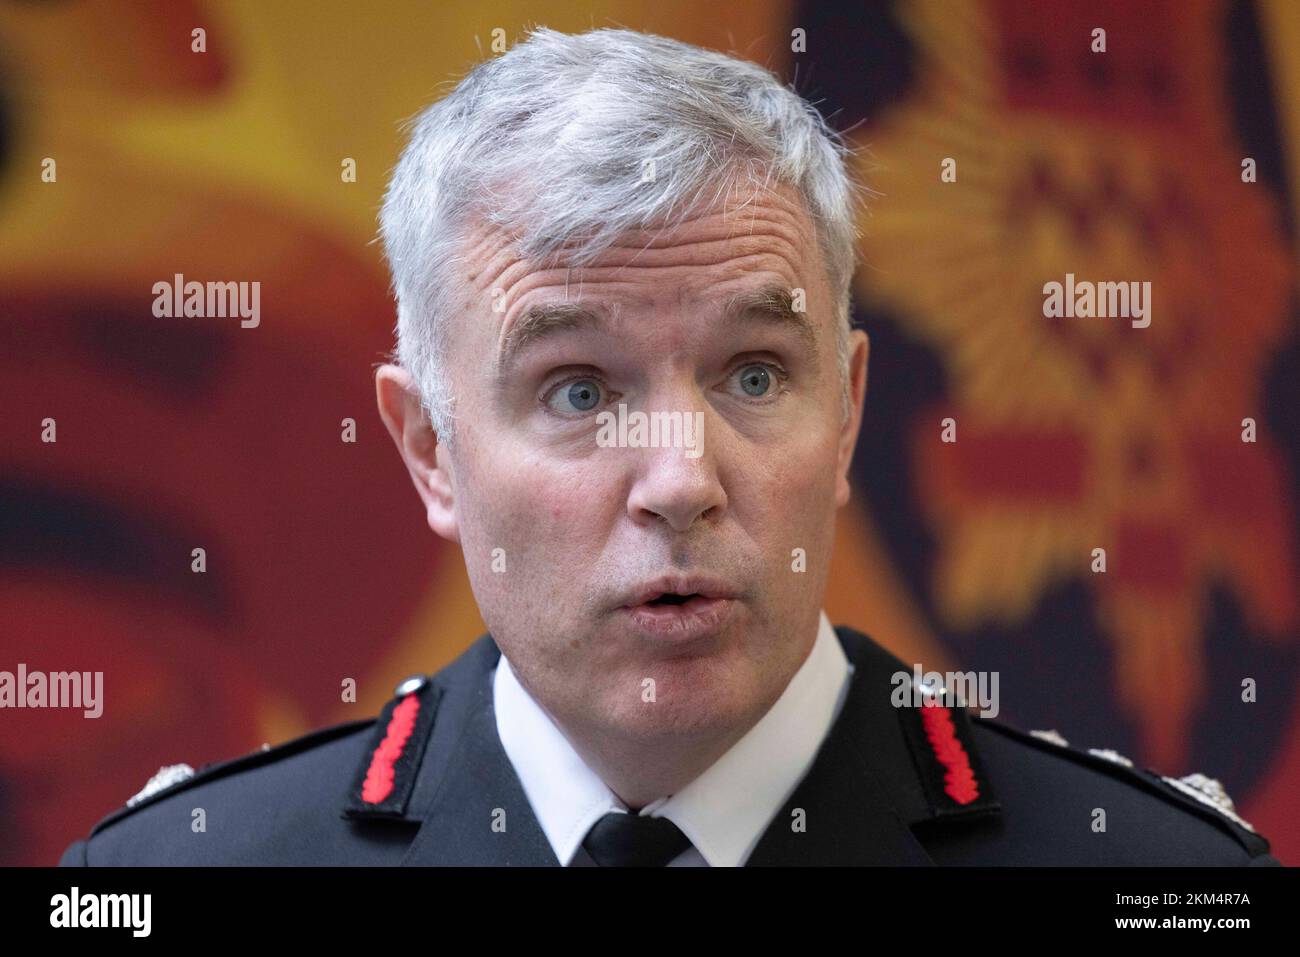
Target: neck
{"x":640,"y":772}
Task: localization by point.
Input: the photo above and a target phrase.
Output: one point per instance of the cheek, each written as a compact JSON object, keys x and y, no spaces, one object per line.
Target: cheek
{"x":798,"y":482}
{"x":795,"y":491}
{"x":543,"y":506}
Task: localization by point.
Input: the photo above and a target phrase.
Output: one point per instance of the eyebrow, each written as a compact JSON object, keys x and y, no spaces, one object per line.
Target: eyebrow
{"x":774,"y":305}
{"x":543,"y":320}
{"x":771,"y":305}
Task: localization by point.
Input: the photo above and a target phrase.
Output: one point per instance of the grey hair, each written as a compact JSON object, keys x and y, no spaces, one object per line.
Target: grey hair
{"x":548,"y":142}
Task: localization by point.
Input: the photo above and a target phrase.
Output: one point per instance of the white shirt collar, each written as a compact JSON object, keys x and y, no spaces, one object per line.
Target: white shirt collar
{"x":724,"y":811}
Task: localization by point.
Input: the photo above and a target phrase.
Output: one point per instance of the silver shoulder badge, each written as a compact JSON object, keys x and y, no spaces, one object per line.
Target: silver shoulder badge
{"x":166,"y":777}
{"x":1052,"y":736}
{"x":1107,"y":754}
{"x":1209,"y":791}
{"x":1112,"y":756}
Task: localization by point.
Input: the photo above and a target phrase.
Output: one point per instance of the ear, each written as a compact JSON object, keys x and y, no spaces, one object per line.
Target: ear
{"x":860,"y":347}
{"x":427,"y":459}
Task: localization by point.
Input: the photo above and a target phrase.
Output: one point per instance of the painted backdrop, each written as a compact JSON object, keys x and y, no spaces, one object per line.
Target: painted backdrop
{"x":1072,"y":434}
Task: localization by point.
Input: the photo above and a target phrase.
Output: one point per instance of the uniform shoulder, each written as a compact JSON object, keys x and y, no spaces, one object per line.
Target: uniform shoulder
{"x":1152,"y":818}
{"x":312,"y":800}
{"x":148,"y":828}
{"x":302,"y":751}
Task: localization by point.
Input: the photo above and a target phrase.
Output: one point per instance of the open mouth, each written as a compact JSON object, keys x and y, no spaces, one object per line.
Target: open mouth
{"x":669,"y":598}
{"x":671,"y":616}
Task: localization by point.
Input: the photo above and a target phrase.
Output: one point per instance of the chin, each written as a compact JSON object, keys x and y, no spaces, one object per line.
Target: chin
{"x":693,"y":696}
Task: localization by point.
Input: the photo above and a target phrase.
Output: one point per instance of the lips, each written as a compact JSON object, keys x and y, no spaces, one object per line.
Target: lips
{"x":666,"y":610}
{"x":670,"y":592}
{"x":681,"y":610}
{"x":698,"y":619}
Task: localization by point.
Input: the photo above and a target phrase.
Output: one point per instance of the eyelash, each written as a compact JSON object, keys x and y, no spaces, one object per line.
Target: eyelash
{"x":779,"y":373}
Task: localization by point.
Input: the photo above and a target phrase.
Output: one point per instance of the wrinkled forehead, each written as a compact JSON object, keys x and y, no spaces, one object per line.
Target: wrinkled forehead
{"x":724,"y":269}
{"x":758,"y":225}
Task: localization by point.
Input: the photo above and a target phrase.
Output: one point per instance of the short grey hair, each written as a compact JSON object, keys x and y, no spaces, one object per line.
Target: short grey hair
{"x":549,"y":141}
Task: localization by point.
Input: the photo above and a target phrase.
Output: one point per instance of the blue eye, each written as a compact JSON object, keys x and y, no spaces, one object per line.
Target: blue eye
{"x":583,"y":395}
{"x":756,"y":378}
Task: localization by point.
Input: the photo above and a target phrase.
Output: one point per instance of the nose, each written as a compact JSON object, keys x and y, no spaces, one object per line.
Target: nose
{"x":674,"y":487}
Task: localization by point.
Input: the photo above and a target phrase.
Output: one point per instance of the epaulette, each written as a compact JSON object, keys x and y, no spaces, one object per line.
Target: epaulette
{"x":386,"y":777}
{"x":938,"y":735}
{"x":179,"y":777}
{"x":1196,"y":793}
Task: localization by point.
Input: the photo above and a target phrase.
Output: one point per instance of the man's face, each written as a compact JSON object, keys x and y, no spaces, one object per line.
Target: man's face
{"x":561,"y":534}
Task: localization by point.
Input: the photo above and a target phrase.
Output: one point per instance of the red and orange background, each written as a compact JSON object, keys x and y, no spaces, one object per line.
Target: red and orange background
{"x":225,"y":165}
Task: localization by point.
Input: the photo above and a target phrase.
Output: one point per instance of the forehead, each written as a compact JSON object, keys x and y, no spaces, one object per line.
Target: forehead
{"x":748,"y":229}
{"x":734,"y":261}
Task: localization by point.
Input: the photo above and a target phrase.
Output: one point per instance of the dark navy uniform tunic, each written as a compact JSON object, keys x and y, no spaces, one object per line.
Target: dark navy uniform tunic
{"x":424,"y":782}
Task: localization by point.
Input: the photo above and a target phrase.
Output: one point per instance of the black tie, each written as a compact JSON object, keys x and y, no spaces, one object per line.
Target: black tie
{"x":630,"y":840}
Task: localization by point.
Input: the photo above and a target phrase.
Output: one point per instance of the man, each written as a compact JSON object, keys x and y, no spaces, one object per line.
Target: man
{"x":628,"y":386}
